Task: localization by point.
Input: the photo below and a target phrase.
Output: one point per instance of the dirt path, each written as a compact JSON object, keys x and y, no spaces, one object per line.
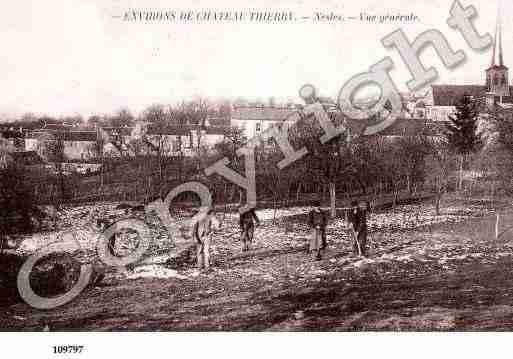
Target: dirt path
{"x":449,"y":275}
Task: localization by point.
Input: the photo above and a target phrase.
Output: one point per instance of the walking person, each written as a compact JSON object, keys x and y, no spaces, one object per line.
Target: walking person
{"x":247,"y":221}
{"x":317,"y":220}
{"x":358,"y":225}
{"x":202,"y":232}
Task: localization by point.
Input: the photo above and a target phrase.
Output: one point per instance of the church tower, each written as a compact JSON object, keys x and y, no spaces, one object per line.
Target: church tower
{"x":497,"y":76}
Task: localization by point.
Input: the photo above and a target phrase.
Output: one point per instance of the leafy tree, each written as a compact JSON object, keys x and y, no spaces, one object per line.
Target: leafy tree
{"x":18,"y":211}
{"x":461,"y":131}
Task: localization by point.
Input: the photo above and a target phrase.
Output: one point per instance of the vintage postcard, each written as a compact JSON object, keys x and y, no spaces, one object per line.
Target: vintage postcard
{"x":250,"y":166}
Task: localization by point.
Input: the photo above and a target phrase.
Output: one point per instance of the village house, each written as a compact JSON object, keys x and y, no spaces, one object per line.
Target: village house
{"x":76,"y":145}
{"x":141,"y":139}
{"x":183,"y":140}
{"x":175,"y":140}
{"x":254,"y":120}
{"x":15,"y":136}
{"x":80,"y":145}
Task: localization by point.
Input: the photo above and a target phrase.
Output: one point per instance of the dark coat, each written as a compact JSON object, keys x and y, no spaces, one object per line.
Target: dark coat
{"x":317,"y":219}
{"x":248,"y":219}
{"x":358,"y":218}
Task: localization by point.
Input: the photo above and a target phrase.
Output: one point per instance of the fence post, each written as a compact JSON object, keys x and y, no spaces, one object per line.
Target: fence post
{"x":497,"y":226}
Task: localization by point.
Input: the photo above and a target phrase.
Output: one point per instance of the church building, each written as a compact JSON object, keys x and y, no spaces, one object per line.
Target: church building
{"x":441,"y":100}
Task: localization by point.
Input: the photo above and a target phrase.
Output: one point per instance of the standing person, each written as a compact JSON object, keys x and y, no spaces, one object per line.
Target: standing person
{"x":358,"y":222}
{"x":202,"y":231}
{"x":318,"y":222}
{"x":247,"y":222}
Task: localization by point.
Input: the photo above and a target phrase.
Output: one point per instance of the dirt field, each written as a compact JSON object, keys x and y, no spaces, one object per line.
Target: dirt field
{"x":423,"y":273}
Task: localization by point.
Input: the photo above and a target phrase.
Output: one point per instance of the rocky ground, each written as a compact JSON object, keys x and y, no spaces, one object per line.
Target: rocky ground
{"x":424,"y":272}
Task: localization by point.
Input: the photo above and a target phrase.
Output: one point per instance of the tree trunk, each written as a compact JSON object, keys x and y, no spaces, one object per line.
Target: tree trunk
{"x":225,"y":200}
{"x":274,"y":209}
{"x":437,"y":204}
{"x":394,"y":204}
{"x":439,"y":193}
{"x":460,"y":177}
{"x":61,"y":182}
{"x":148,"y":194}
{"x":333,"y":199}
{"x":362,"y":186}
{"x":493,"y":192}
{"x":160,"y":162}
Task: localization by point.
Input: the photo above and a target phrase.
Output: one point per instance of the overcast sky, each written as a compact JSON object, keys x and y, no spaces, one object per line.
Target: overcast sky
{"x":75,"y":56}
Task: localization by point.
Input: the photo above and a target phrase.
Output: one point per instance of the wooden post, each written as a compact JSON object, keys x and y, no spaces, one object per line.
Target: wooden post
{"x":460,"y":176}
{"x":148,"y":192}
{"x":497,"y":227}
{"x":333,"y":200}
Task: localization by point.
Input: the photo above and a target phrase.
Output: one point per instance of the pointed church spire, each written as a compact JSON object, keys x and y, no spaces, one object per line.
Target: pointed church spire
{"x":501,"y":60}
{"x":494,"y":46}
{"x":497,"y":76}
{"x":497,"y":44}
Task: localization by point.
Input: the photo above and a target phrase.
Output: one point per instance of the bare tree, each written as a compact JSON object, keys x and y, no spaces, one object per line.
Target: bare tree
{"x":234,"y":139}
{"x":326,"y":161}
{"x":440,"y":163}
{"x":51,"y":148}
{"x":121,"y":118}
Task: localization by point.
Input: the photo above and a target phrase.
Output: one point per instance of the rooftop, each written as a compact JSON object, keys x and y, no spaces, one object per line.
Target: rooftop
{"x":261,"y":113}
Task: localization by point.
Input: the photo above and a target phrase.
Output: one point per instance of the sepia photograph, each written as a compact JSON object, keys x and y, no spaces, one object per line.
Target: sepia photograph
{"x":273,"y":166}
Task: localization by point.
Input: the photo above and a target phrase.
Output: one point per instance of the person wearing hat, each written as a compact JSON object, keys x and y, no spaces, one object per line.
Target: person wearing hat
{"x":202,"y":232}
{"x":247,"y":222}
{"x":357,"y":219}
{"x":317,"y":220}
